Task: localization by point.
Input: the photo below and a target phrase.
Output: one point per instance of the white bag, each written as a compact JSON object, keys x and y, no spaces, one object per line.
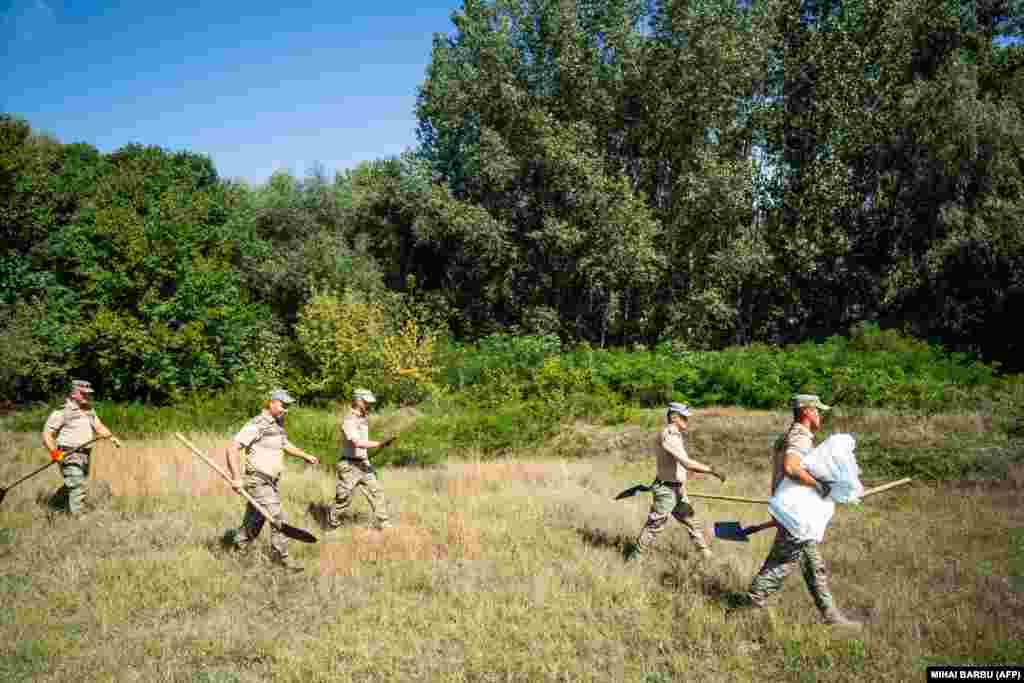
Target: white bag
{"x":799,"y":508}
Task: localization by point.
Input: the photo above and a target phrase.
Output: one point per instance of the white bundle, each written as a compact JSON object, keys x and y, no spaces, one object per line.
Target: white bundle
{"x":799,"y":508}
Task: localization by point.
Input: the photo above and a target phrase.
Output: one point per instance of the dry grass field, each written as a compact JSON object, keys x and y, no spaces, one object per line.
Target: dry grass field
{"x":507,"y":570}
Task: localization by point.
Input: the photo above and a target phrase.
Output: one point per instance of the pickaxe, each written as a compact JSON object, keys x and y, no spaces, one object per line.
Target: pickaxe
{"x":5,"y":489}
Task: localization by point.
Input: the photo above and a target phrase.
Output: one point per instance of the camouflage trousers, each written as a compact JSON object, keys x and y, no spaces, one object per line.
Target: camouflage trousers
{"x":786,"y":552}
{"x":352,"y":474}
{"x":75,"y":476}
{"x":670,"y":500}
{"x":264,"y":490}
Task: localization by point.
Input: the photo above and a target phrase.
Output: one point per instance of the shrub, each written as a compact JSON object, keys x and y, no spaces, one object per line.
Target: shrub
{"x":348,"y":341}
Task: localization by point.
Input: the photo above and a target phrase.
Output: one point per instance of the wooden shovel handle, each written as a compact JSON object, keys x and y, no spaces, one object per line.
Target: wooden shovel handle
{"x":216,"y":468}
{"x":764,"y":501}
{"x":886,"y":487}
{"x":738,"y":499}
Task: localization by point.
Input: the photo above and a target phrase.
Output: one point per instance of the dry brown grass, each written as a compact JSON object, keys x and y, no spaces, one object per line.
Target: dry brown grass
{"x":161,"y":466}
{"x":499,"y":571}
{"x":476,"y":478}
{"x":922,"y":431}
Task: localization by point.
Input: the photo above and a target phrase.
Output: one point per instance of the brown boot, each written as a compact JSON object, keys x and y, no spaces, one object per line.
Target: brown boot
{"x":833,"y":617}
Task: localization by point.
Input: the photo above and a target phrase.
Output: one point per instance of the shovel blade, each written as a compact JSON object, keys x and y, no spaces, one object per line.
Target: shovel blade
{"x":296,"y":533}
{"x":632,"y":491}
{"x":731,"y":531}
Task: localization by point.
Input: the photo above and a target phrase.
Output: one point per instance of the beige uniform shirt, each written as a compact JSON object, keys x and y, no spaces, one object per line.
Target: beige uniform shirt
{"x":798,"y":441}
{"x":671,"y":449}
{"x":71,"y":427}
{"x":264,"y":441}
{"x":354,"y":427}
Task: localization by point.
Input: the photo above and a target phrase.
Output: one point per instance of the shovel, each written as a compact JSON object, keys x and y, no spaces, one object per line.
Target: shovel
{"x":734,"y":531}
{"x":632,"y":491}
{"x":5,"y":489}
{"x":286,"y":529}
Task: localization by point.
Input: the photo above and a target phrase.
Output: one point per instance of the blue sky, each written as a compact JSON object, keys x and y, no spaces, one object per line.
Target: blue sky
{"x":257,"y":86}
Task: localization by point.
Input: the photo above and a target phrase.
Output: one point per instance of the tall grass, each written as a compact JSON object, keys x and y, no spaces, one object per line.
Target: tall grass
{"x":508,"y":569}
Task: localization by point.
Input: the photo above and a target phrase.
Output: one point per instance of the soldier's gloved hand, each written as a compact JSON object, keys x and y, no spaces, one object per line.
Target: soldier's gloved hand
{"x":719,"y":475}
{"x":56,"y":455}
{"x":824,"y":488}
{"x":313,"y":460}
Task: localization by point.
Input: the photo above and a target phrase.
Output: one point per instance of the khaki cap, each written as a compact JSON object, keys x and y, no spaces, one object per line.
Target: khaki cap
{"x":281,"y":395}
{"x":679,"y":408}
{"x":364,"y":395}
{"x":808,"y":401}
{"x":81,"y":385}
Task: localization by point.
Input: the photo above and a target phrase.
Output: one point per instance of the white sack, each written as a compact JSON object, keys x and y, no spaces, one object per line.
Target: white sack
{"x":799,"y":508}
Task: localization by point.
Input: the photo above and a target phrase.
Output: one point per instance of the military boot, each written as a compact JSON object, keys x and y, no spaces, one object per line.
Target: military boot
{"x":288,"y":564}
{"x":833,"y":617}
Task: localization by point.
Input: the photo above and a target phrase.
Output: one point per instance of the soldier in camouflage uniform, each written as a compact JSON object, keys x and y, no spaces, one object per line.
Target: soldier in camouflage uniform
{"x":787,"y":551}
{"x":265,"y":442}
{"x":669,"y":487}
{"x":354,"y":468}
{"x":71,"y":426}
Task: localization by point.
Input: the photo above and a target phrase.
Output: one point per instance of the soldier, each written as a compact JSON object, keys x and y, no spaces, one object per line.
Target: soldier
{"x":669,"y":487}
{"x":787,"y":551}
{"x":354,"y":468}
{"x":265,"y":443}
{"x":71,"y":426}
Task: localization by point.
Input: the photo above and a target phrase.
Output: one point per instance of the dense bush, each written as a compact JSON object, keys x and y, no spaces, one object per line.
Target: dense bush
{"x":350,"y":341}
{"x":872,"y":367}
{"x":508,"y":393}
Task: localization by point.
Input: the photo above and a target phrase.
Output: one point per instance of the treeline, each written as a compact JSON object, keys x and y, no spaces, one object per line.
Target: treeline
{"x":617,"y":172}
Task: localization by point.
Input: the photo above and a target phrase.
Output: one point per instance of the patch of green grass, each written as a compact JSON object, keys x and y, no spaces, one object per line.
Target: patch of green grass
{"x":14,"y":583}
{"x":216,"y":677}
{"x":855,"y":656}
{"x":1016,"y":550}
{"x":7,"y":536}
{"x":30,"y":658}
{"x":656,"y":677}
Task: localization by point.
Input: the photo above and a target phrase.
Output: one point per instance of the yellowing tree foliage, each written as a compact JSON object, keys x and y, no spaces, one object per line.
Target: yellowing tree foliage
{"x":352,"y":342}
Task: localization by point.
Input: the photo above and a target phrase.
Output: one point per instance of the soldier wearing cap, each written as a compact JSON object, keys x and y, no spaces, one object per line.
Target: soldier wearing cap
{"x":68,"y":428}
{"x":354,"y":468}
{"x":669,"y":487}
{"x":265,"y":442}
{"x":786,"y":551}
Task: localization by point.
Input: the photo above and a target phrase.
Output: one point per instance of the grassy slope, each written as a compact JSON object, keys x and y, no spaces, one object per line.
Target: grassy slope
{"x":507,"y":570}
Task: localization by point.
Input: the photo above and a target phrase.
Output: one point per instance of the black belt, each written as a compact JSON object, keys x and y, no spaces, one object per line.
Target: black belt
{"x":670,"y":484}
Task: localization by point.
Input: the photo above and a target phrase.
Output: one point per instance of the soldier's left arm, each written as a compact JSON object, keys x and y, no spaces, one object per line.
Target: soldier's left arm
{"x":293,"y":450}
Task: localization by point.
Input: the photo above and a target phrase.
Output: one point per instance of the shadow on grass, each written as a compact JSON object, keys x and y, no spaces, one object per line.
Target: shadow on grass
{"x":599,"y":538}
{"x":321,"y":514}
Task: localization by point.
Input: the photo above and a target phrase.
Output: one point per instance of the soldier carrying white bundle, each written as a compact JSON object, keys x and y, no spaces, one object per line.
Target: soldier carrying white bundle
{"x":802,"y":505}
